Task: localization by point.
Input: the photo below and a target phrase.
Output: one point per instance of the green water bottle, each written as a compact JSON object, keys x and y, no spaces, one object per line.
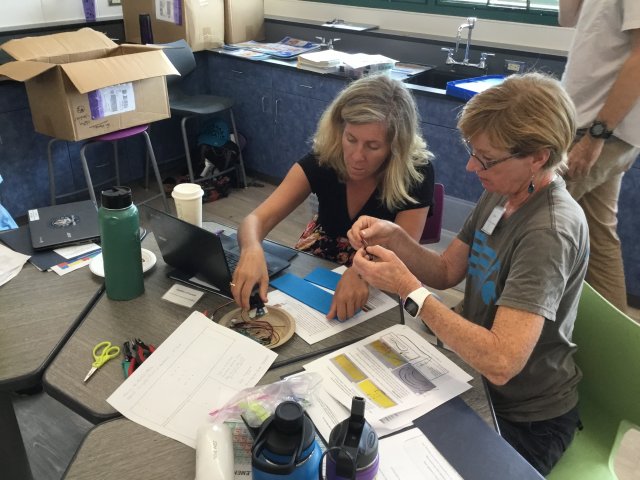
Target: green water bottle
{"x":120,"y":239}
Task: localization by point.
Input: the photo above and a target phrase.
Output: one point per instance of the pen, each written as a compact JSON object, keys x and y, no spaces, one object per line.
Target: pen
{"x":366,"y":245}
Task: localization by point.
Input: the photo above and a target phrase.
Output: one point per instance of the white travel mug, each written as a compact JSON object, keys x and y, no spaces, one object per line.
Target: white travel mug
{"x":188,"y":199}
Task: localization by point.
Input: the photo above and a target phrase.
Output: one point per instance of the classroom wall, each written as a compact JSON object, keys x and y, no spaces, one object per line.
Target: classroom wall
{"x":27,"y":14}
{"x":533,"y":38}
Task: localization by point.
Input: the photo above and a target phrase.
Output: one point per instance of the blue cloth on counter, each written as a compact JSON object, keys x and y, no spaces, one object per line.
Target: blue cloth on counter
{"x":6,"y":220}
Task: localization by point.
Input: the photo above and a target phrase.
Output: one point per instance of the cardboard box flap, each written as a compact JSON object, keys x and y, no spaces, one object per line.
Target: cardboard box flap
{"x":104,"y":72}
{"x":23,"y":71}
{"x":57,"y":45}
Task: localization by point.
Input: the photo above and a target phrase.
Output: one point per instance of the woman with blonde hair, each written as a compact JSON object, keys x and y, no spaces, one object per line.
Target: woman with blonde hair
{"x":523,"y":252}
{"x":368,"y":158}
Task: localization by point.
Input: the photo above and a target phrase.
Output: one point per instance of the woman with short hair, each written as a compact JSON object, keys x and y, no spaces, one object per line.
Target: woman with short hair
{"x":523,"y":252}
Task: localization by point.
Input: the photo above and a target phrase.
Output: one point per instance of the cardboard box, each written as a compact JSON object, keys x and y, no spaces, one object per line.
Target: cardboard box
{"x":200,"y":23}
{"x":243,"y":20}
{"x":81,"y":84}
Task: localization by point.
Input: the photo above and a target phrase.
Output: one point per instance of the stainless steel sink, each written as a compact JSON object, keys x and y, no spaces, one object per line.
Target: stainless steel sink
{"x":438,"y":77}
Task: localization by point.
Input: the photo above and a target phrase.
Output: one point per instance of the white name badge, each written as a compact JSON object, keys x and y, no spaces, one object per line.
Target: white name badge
{"x":490,"y":225}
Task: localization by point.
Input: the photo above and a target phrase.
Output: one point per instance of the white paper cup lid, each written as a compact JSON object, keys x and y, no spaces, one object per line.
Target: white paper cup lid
{"x":187,"y":191}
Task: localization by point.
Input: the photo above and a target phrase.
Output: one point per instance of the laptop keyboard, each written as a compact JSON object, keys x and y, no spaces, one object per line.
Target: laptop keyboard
{"x":232,"y":260}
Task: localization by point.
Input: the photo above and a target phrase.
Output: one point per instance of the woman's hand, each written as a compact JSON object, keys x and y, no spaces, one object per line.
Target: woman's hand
{"x":351,"y":295}
{"x":250,"y":271}
{"x":385,"y":271}
{"x":371,"y":231}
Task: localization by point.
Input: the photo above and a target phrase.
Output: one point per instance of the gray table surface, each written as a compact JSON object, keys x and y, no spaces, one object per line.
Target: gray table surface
{"x":104,"y":453}
{"x":38,"y":312}
{"x":153,"y":319}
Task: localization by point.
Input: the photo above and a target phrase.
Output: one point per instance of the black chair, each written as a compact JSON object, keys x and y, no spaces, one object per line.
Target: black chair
{"x":192,"y":106}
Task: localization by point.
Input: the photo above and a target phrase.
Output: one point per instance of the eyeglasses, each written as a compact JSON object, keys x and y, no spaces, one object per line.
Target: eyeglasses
{"x":487,"y":163}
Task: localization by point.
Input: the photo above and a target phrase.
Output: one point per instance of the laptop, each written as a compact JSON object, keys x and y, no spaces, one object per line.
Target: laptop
{"x":200,"y":257}
{"x":63,"y":225}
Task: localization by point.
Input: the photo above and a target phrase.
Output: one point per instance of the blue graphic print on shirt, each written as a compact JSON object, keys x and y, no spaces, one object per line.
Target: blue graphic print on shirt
{"x":482,"y":263}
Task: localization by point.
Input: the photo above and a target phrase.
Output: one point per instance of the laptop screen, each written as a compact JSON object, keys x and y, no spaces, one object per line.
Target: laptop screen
{"x":190,"y":249}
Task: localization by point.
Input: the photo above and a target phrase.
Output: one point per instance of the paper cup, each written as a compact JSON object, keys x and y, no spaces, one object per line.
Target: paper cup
{"x":188,"y":199}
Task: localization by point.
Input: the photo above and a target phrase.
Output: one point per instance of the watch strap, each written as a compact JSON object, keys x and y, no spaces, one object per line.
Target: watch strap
{"x":415,"y":300}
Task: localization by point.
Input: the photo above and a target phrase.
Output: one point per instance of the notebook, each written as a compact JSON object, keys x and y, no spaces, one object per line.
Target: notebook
{"x":200,"y":257}
{"x":62,"y":225}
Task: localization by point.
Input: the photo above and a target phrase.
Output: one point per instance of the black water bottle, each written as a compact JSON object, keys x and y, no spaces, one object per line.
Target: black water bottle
{"x":146,"y":32}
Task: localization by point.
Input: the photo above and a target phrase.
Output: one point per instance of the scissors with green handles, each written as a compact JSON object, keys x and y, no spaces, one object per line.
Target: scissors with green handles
{"x":107,"y":353}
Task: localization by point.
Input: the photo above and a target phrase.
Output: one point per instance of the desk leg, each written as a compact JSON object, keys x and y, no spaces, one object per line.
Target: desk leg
{"x":13,"y":457}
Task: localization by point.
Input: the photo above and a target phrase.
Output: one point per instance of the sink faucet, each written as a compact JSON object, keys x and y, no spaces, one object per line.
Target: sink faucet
{"x":471,"y":22}
{"x":469,"y":25}
{"x":328,"y":43}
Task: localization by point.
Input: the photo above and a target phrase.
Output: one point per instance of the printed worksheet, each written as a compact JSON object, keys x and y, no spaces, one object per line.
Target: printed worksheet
{"x":312,"y":326}
{"x":411,"y":455}
{"x":198,"y":368}
{"x":396,"y":371}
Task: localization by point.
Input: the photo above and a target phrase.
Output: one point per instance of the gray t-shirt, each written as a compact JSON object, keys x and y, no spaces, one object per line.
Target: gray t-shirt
{"x":534,"y":261}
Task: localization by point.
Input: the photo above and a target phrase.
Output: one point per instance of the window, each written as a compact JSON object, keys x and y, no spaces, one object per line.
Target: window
{"x":525,"y":11}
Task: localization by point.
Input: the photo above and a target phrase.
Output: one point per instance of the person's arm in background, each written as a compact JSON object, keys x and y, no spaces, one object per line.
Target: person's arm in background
{"x":252,"y":267}
{"x":352,"y":291}
{"x":622,"y":97}
{"x":568,"y":12}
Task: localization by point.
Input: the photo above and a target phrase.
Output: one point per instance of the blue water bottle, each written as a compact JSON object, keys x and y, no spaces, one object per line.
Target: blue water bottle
{"x":120,"y":241}
{"x":286,"y":447}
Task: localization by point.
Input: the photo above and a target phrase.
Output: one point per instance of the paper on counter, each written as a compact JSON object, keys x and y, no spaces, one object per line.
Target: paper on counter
{"x":411,"y":455}
{"x":199,"y":367}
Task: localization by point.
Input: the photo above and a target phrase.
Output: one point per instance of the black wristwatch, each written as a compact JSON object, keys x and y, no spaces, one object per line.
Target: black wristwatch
{"x":598,"y":129}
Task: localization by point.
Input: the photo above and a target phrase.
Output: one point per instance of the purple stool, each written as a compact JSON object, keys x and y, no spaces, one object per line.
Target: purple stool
{"x":112,"y":137}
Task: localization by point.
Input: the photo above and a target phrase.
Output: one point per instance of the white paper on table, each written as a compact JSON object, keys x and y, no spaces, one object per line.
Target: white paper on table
{"x":11,"y":263}
{"x":183,"y":295}
{"x":411,"y":455}
{"x":74,"y":251}
{"x":326,"y":412}
{"x":394,"y":370}
{"x":312,"y":326}
{"x":199,"y":367}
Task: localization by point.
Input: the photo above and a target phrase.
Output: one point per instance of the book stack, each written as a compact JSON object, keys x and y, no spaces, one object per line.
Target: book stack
{"x":361,"y":64}
{"x":325,"y":61}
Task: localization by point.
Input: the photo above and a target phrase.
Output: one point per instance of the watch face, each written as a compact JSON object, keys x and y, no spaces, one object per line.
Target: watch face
{"x":596,"y":130}
{"x":599,"y":130}
{"x":411,"y":307}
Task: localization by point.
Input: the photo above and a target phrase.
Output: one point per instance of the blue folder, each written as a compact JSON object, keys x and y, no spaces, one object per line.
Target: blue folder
{"x":304,"y":291}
